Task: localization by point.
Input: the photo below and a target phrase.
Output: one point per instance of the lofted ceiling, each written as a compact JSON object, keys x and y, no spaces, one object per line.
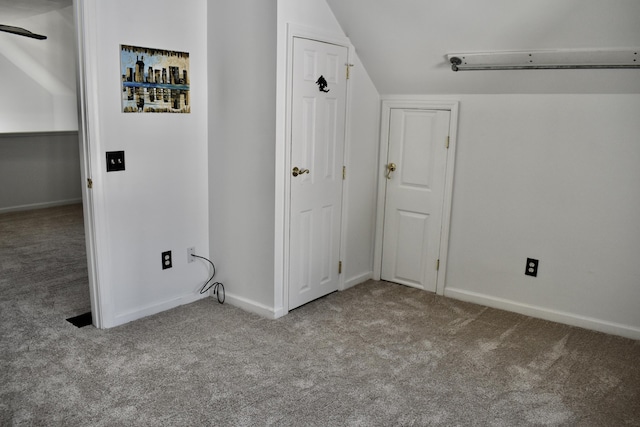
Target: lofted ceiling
{"x":403,"y":43}
{"x":13,"y":11}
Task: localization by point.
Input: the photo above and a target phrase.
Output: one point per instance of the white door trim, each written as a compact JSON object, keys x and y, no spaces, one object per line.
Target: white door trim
{"x":283,"y":167}
{"x":90,"y":162}
{"x":389,"y":103}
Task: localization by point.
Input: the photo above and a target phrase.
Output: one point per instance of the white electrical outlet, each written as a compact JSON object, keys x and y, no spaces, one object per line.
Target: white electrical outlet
{"x":191,"y":251}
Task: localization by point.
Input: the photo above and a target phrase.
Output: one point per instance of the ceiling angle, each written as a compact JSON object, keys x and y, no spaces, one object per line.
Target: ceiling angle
{"x":546,"y":59}
{"x":21,"y":32}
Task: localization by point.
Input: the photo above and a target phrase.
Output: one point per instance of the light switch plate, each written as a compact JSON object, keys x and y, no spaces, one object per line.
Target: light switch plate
{"x":115,"y":161}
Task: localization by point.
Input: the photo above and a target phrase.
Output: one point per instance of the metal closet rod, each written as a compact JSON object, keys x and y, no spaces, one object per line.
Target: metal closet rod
{"x":547,"y":60}
{"x":540,"y":67}
{"x":454,"y":67}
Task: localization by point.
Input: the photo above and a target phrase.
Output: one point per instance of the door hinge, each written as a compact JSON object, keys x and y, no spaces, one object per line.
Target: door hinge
{"x":339,"y":267}
{"x":344,"y":173}
{"x":89,"y":183}
{"x":348,"y":70}
{"x":438,"y":265}
{"x":447,"y":145}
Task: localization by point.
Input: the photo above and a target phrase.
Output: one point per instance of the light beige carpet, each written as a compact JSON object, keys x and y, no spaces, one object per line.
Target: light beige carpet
{"x":376,"y":354}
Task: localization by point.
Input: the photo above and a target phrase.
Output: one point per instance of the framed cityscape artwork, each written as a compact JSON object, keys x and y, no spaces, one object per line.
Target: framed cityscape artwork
{"x":154,"y":80}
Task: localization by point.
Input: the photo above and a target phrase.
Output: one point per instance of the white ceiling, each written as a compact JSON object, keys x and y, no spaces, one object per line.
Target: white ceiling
{"x":13,"y":11}
{"x":403,"y":43}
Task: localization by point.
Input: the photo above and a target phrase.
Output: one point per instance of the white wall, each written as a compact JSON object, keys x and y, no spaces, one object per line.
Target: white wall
{"x":160,"y":202}
{"x":176,"y":184}
{"x":551,"y":177}
{"x":39,"y":170}
{"x":361,"y":182}
{"x":38,"y":83}
{"x":246,"y":142}
{"x":242,"y":99}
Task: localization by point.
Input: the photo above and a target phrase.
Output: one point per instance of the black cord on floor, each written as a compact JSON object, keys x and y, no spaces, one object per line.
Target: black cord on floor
{"x":217,"y":286}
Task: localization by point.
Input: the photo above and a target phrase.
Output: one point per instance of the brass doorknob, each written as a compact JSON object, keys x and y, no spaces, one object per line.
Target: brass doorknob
{"x":391,"y":167}
{"x":296,"y":171}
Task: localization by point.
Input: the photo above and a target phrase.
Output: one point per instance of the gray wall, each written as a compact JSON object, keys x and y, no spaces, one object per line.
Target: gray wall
{"x":39,"y":170}
{"x":242,"y":99}
{"x":39,"y":152}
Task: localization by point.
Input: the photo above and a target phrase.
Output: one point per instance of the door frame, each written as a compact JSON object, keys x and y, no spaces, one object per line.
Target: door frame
{"x":388,"y":104}
{"x":88,"y":134}
{"x":283,"y":167}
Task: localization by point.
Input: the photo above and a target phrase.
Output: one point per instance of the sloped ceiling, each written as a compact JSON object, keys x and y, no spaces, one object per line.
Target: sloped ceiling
{"x":403,"y":43}
{"x":15,"y":10}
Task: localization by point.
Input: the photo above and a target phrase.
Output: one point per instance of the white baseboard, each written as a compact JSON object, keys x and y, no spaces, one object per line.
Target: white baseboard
{"x":545,"y":313}
{"x":40,"y":205}
{"x":251,"y":306}
{"x":271,"y":313}
{"x":122,"y":318}
{"x":278,"y":313}
{"x":356,"y":280}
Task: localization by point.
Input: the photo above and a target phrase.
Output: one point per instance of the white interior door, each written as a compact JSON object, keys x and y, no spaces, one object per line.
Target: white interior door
{"x":317,"y":145}
{"x":416,"y":167}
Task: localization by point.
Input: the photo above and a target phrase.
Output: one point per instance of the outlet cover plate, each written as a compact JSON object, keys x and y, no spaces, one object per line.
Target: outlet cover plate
{"x":532,"y":267}
{"x":166,"y":260}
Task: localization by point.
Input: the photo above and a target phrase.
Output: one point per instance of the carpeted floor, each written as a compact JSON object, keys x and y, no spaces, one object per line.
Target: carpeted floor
{"x":43,"y":261}
{"x":376,"y":354}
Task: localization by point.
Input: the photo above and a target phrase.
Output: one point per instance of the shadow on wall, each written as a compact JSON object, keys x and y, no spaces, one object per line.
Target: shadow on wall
{"x":39,"y":76}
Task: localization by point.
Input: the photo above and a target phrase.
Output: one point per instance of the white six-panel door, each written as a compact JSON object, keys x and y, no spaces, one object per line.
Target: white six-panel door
{"x":414,"y":196}
{"x":317,"y":145}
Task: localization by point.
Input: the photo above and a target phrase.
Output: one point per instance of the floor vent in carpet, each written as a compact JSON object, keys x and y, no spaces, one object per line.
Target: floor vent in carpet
{"x":80,"y":321}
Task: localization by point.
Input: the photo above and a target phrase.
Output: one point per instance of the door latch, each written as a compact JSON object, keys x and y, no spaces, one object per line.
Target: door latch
{"x":296,"y":171}
{"x":391,"y":167}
